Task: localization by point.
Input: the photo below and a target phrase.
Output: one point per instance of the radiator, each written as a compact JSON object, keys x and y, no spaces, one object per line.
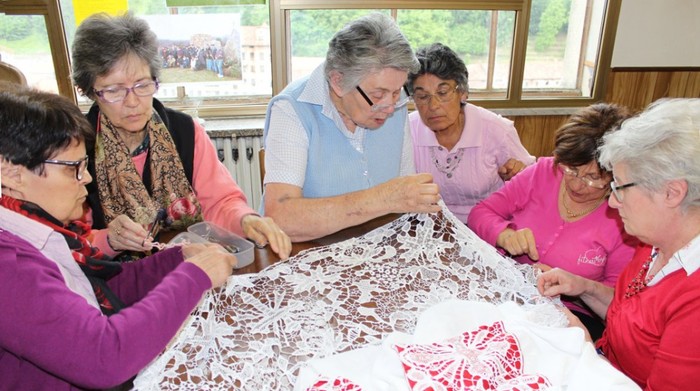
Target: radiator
{"x":240,"y":156}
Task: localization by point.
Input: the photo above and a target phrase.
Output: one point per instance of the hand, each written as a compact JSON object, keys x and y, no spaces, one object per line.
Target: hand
{"x":510,"y":168}
{"x":518,"y":242}
{"x":542,"y":267}
{"x":411,"y":194}
{"x":213,"y":259}
{"x":264,"y":230}
{"x":559,"y":282}
{"x":125,"y":234}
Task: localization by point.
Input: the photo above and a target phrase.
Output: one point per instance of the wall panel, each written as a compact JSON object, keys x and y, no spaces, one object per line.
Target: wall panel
{"x":634,"y":88}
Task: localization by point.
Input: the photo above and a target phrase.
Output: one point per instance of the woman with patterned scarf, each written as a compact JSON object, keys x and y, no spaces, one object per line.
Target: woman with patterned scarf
{"x":147,"y":157}
{"x":71,"y":317}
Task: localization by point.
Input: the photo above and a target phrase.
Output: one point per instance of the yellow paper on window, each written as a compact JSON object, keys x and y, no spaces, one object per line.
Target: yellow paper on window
{"x":84,"y":8}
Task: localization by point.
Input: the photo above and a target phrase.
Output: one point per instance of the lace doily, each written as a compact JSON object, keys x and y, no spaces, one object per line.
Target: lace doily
{"x":255,"y":332}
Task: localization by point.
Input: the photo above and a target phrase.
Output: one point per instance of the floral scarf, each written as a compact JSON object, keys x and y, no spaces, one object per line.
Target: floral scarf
{"x":121,"y":188}
{"x":97,"y":266}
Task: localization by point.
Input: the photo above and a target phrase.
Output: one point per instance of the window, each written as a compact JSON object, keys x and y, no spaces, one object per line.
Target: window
{"x":520,"y":53}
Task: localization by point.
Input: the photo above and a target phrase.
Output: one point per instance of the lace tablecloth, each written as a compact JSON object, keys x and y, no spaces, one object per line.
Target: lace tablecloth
{"x":255,"y":332}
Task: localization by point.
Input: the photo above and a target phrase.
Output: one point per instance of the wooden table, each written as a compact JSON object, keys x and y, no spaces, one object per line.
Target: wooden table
{"x":351,"y":289}
{"x":265,"y":257}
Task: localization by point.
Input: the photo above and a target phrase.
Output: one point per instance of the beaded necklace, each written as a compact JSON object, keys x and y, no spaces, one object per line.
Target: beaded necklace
{"x":452,"y":161}
{"x":640,"y":281}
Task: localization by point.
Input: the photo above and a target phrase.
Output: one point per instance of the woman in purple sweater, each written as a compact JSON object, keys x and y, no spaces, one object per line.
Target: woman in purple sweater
{"x":555,"y":211}
{"x":71,"y":318}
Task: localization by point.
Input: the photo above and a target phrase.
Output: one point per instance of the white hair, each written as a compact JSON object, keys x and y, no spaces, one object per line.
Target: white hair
{"x":660,"y":144}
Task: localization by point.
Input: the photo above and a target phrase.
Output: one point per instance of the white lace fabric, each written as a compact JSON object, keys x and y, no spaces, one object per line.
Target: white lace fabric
{"x":258,"y":330}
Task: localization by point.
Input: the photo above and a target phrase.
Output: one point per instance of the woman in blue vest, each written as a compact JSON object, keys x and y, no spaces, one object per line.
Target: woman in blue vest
{"x":338,"y":148}
{"x":146,"y":157}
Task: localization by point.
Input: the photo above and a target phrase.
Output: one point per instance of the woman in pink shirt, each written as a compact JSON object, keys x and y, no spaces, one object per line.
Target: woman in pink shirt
{"x":470,"y":151}
{"x":652,"y":315}
{"x":555,"y":212}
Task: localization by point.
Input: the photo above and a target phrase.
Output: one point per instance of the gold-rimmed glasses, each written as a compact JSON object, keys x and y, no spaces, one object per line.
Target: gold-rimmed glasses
{"x":443,"y":95}
{"x":598,"y":183}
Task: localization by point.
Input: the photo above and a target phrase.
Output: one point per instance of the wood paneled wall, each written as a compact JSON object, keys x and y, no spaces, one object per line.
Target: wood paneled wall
{"x":634,"y":88}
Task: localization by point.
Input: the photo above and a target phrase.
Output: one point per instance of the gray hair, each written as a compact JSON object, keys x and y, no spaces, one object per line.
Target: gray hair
{"x":102,"y":40}
{"x":660,"y":144}
{"x":366,"y":45}
{"x":441,"y":61}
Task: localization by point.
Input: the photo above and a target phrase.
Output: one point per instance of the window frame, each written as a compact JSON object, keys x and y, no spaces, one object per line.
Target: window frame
{"x":51,"y":11}
{"x":516,"y":98}
{"x":280,"y":49}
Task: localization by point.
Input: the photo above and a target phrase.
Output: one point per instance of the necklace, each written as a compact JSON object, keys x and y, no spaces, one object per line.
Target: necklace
{"x":641,"y":280}
{"x":571,"y":214}
{"x":451,"y":162}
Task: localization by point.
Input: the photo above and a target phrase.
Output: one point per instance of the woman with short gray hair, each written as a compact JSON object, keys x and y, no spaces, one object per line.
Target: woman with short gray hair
{"x":149,"y":160}
{"x":653,"y":312}
{"x":338,"y":147}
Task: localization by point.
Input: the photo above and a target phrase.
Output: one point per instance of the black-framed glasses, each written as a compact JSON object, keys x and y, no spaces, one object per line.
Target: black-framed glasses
{"x":616,"y":189}
{"x":118,"y":94}
{"x":595,"y":183}
{"x":375,"y":107}
{"x":79,"y":165}
{"x":443,"y":96}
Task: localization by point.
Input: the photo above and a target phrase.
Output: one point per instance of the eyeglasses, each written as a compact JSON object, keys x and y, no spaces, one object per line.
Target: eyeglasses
{"x":616,"y":189}
{"x":79,"y":165}
{"x":374,"y":107}
{"x":118,"y":94}
{"x":443,"y":96}
{"x":595,"y":183}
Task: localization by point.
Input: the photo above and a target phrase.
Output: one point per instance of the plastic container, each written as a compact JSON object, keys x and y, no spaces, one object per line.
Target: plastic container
{"x":241,"y":248}
{"x":186,"y":238}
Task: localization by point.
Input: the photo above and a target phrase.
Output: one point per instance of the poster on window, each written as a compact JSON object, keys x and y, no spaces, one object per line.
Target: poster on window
{"x":198,"y":47}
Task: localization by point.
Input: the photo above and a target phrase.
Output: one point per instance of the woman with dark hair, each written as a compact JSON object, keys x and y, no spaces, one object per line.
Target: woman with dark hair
{"x":146,"y":157}
{"x":71,"y":317}
{"x":555,"y":212}
{"x":470,"y":151}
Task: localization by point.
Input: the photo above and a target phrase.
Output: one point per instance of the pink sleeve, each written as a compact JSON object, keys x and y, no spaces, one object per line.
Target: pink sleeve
{"x":492,"y":215}
{"x":223,"y":202}
{"x":98,"y":237}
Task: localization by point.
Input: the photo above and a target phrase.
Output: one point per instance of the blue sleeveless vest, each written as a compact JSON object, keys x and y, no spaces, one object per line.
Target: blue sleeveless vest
{"x":334,"y":167}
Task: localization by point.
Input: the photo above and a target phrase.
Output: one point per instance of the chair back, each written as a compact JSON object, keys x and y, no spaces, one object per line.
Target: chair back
{"x":261,"y":159}
{"x":11,"y":73}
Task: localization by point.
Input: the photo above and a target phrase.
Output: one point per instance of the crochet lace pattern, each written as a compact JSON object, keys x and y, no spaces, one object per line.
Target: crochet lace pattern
{"x":256,"y":331}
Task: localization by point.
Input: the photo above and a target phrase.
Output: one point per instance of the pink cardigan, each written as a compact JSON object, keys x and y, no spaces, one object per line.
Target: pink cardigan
{"x":595,"y":247}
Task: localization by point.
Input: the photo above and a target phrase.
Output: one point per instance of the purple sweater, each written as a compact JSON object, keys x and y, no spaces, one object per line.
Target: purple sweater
{"x":595,"y":247}
{"x":52,"y":339}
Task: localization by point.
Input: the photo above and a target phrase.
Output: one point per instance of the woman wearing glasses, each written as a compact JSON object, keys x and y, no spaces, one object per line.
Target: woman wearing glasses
{"x":337,"y":144}
{"x":555,"y":212}
{"x":147,"y":157}
{"x":71,"y":317}
{"x":652,"y":315}
{"x":469,"y":151}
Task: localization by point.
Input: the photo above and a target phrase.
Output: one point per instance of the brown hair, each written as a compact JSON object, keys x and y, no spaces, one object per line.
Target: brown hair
{"x":576,"y":142}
